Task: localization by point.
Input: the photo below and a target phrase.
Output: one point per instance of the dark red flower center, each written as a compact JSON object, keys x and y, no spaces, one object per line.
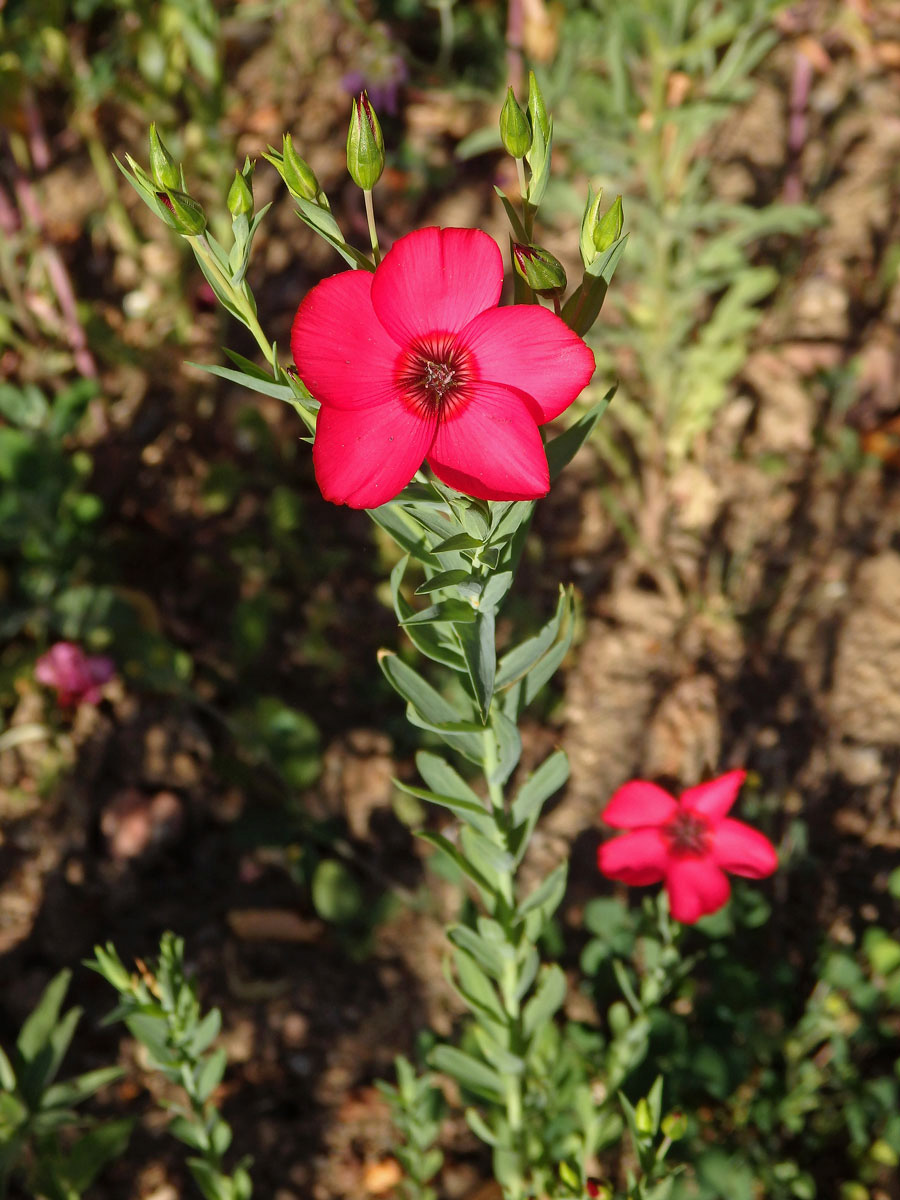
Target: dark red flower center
{"x":688,"y":833}
{"x":434,"y":374}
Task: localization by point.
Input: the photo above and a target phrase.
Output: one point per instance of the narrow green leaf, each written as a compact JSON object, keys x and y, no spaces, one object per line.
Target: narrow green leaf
{"x":517,"y":227}
{"x":458,"y":612}
{"x":509,"y":746}
{"x":458,"y":541}
{"x":266,"y":386}
{"x":475,"y":1076}
{"x":563,"y":449}
{"x":476,"y":986}
{"x":487,"y":955}
{"x":210,"y":1073}
{"x":490,"y":859}
{"x":442,"y":778}
{"x":205,"y":1033}
{"x":472,"y":812}
{"x":547,"y":896}
{"x":7,"y":1074}
{"x":101,"y":1145}
{"x":35,"y":1033}
{"x":498,"y":1056}
{"x":539,"y":787}
{"x":476,"y":641}
{"x":405,"y":530}
{"x":480,"y":1127}
{"x":323,"y":223}
{"x":72,"y":1092}
{"x":412,"y":687}
{"x":582,"y":308}
{"x":520,"y":659}
{"x":547,"y":999}
{"x":441,"y":843}
{"x":494,"y":590}
{"x":442,"y":579}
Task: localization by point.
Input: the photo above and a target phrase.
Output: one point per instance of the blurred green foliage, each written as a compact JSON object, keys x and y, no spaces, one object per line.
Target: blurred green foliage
{"x":55,"y":1150}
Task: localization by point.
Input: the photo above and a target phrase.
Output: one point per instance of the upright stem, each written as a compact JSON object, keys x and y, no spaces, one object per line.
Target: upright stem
{"x":509,"y":985}
{"x":236,"y":295}
{"x":373,"y":232}
{"x":523,"y":188}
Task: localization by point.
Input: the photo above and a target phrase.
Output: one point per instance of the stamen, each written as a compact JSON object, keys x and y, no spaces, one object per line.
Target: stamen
{"x":433,"y":374}
{"x":688,"y":834}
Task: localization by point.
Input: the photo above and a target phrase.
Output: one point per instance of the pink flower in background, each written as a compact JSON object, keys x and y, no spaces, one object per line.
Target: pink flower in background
{"x":688,"y":843}
{"x":418,"y":362}
{"x":77,"y":677}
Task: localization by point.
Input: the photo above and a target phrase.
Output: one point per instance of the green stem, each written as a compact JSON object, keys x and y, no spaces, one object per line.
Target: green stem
{"x":236,"y":296}
{"x":373,"y":232}
{"x":515,"y":1116}
{"x":527,"y":216}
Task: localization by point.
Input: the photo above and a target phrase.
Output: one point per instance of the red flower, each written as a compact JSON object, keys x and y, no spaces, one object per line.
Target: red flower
{"x":417,"y":361}
{"x":77,"y":677}
{"x":689,"y":843}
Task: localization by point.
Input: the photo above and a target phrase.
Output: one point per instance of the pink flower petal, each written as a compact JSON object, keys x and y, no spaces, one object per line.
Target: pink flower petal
{"x":435,"y":281}
{"x":364,"y":457}
{"x":738,"y":848}
{"x":696,"y":887}
{"x":715,"y":798}
{"x":639,"y":803}
{"x":340,"y":347}
{"x":529,"y":348}
{"x":491,"y":447}
{"x":635,"y":858}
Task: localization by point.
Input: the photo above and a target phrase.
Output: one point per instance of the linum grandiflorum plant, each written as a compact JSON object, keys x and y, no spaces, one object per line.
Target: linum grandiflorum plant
{"x":409,"y":358}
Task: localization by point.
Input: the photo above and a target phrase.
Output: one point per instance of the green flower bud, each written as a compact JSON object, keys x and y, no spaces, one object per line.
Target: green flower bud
{"x":297,"y":173}
{"x":240,"y":195}
{"x":643,"y":1118}
{"x":674,"y":1126}
{"x":515,"y":132}
{"x":162,"y":165}
{"x":365,"y":145}
{"x":542,"y":272}
{"x":182,"y":212}
{"x":537,"y":113}
{"x":609,"y":228}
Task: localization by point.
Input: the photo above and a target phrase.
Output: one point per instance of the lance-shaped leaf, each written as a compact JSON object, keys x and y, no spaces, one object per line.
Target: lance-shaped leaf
{"x":518,"y":661}
{"x":473,"y":1075}
{"x":561,"y":450}
{"x":476,"y":641}
{"x":582,"y":308}
{"x":547,"y":999}
{"x":431,"y":709}
{"x":473,"y":813}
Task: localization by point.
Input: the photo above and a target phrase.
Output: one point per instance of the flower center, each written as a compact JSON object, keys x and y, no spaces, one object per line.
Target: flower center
{"x":433,"y":375}
{"x":688,"y":834}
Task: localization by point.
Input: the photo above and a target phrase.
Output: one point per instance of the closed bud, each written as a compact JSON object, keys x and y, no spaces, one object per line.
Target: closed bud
{"x":537,"y":113}
{"x":365,"y":145}
{"x":674,"y":1126}
{"x":182,"y":212}
{"x":297,"y":173}
{"x":515,"y":132}
{"x":643,"y":1118}
{"x":162,"y":165}
{"x":542,"y":272}
{"x":240,"y":196}
{"x":609,"y":228}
